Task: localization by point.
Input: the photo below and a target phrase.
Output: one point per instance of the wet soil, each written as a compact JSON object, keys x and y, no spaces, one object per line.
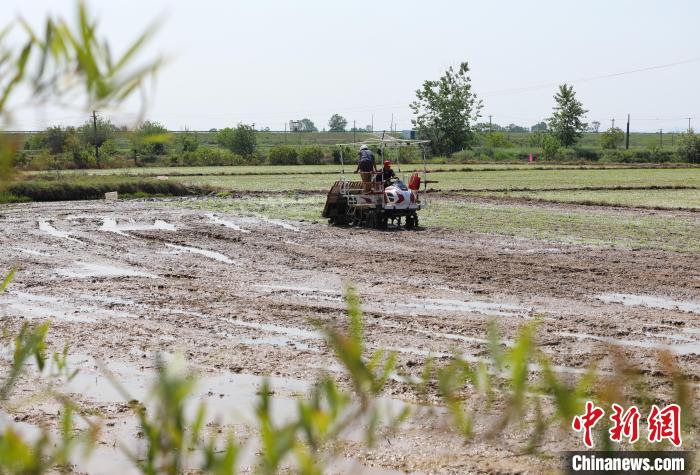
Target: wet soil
{"x":236,"y":296}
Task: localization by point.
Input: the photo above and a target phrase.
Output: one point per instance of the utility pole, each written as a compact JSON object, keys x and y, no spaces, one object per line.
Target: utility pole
{"x":627,"y":138}
{"x":613,"y":123}
{"x":689,"y":124}
{"x":661,"y":138}
{"x":354,"y":130}
{"x":97,"y":147}
{"x":489,"y":125}
{"x":372,"y":123}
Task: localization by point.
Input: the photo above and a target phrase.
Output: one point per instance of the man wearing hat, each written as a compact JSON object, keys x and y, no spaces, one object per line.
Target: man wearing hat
{"x":386,"y":174}
{"x":366,"y":166}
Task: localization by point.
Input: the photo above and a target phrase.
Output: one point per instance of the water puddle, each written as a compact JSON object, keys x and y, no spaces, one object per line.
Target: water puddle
{"x":111,"y":225}
{"x":84,"y":270}
{"x":274,"y":222}
{"x":48,"y":228}
{"x":282,"y":224}
{"x":300,"y":289}
{"x":269,"y":327}
{"x":278,"y":341}
{"x":690,"y":347}
{"x":217,"y":256}
{"x":31,"y":252}
{"x":650,"y":301}
{"x":31,"y":306}
{"x":231,"y":225}
{"x":473,"y":306}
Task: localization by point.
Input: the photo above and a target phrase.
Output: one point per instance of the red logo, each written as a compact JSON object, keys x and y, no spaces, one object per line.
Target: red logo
{"x":587,"y":421}
{"x":626,"y":424}
{"x":663,"y":424}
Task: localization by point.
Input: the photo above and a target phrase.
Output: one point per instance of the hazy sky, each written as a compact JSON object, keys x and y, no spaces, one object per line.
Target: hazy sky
{"x":266,"y":62}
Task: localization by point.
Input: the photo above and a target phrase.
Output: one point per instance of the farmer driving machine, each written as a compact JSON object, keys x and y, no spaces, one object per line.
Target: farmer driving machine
{"x":376,"y":203}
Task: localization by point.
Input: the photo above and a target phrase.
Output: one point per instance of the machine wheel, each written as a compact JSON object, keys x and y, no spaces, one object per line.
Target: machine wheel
{"x":412,"y":221}
{"x":383,"y":221}
{"x":372,"y":220}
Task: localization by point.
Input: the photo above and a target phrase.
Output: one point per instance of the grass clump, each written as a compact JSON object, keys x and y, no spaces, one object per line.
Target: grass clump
{"x":83,"y":188}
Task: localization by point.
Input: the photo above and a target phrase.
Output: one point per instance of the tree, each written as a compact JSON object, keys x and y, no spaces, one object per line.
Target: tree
{"x":337,"y":123}
{"x":689,"y":147}
{"x":307,"y":126}
{"x":445,"y":109}
{"x":54,"y":138}
{"x":497,"y":139}
{"x":566,"y":123}
{"x":96,"y":136}
{"x":240,"y":140}
{"x":516,"y":128}
{"x":595,"y":127}
{"x":149,"y":141}
{"x":612,"y":138}
{"x":187,"y":141}
{"x":539,"y":127}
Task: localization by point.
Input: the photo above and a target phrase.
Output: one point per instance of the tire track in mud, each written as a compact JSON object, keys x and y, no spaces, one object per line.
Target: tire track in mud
{"x":254,"y":317}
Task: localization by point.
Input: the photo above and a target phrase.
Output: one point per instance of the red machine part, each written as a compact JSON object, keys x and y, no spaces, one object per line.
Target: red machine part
{"x":414,"y":182}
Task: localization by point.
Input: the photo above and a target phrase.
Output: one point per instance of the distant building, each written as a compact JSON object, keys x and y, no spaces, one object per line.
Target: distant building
{"x":408,"y":134}
{"x":295,"y":126}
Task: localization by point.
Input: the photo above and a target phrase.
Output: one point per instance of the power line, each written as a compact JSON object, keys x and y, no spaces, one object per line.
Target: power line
{"x":590,"y":78}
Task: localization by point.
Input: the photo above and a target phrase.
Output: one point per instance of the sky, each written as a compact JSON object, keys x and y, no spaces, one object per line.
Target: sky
{"x":267,"y":62}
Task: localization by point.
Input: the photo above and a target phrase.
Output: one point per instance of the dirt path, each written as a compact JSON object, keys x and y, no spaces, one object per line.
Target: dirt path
{"x":235,"y":296}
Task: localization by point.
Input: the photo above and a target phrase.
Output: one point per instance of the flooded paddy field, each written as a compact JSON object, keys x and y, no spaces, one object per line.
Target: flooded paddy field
{"x":235,"y":295}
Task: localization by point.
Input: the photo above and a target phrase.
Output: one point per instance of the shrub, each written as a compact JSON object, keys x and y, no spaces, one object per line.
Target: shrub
{"x":497,"y":139}
{"x":535,"y":139}
{"x":149,"y":141}
{"x":689,"y":147}
{"x":311,"y":155}
{"x":55,"y":137}
{"x":240,"y":140}
{"x":187,"y":142}
{"x":587,"y":154}
{"x":612,"y":138}
{"x":206,"y":156}
{"x":409,"y":155}
{"x":282,"y":155}
{"x":550,"y":146}
{"x":35,"y":141}
{"x":612,"y":156}
{"x":348,"y":155}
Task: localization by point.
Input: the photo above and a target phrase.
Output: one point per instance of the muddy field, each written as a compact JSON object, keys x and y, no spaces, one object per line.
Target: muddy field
{"x":235,"y":295}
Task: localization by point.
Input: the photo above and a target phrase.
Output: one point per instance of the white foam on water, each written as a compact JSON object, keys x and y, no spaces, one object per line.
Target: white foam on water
{"x":111,"y":225}
{"x":650,"y":301}
{"x":217,"y":256}
{"x":83,"y":270}
{"x":231,"y":225}
{"x":48,"y":228}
